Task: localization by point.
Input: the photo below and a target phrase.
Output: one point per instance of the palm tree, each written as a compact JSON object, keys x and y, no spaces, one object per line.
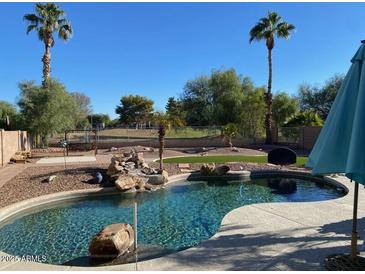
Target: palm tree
{"x":48,"y":19}
{"x":266,"y":29}
{"x":161,"y":139}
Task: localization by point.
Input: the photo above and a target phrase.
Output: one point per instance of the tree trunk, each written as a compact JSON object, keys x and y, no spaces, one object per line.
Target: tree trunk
{"x":160,"y":152}
{"x":161,"y":139}
{"x":268,"y":95}
{"x":47,"y":61}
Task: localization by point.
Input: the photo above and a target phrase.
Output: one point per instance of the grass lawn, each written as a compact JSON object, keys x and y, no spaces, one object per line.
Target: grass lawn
{"x":225,"y":158}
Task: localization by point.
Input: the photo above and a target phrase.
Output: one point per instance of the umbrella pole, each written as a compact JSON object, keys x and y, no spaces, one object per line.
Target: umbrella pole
{"x":354,"y":223}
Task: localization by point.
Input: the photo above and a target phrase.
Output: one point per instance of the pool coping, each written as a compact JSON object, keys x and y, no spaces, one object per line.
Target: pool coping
{"x":14,"y":209}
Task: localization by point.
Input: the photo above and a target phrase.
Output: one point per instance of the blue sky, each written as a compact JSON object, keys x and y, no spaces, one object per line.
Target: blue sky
{"x":152,"y":49}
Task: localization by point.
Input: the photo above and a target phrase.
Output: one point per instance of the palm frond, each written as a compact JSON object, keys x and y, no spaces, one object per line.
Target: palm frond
{"x":31,"y":27}
{"x":65,"y":31}
{"x":31,"y":18}
{"x":284,"y":29}
{"x":273,"y":17}
{"x":257,"y":32}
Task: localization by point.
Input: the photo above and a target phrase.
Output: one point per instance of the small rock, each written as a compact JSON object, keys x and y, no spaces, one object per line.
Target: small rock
{"x":234,"y":149}
{"x":51,"y":178}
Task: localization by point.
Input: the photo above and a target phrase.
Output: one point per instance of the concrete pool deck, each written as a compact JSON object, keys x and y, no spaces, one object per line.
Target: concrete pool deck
{"x":271,"y":236}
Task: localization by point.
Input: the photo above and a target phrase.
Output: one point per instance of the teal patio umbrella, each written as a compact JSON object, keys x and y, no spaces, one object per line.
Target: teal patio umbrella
{"x":340,"y":147}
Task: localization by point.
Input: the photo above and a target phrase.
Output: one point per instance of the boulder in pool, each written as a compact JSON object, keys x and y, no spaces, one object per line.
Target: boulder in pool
{"x":112,"y":241}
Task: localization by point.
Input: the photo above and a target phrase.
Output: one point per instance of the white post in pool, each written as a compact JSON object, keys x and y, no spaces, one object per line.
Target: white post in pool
{"x":135,"y":232}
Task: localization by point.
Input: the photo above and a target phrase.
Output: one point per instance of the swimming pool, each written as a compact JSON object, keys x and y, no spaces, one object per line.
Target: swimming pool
{"x":180,"y":216}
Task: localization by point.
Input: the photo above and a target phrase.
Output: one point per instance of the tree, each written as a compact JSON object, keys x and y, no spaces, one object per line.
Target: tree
{"x":226,"y":88}
{"x":173,"y":107}
{"x":305,"y":118}
{"x":267,"y":29}
{"x":46,"y":111}
{"x":83,"y":109}
{"x":96,"y":120}
{"x":134,"y":109}
{"x":161,"y":140}
{"x":320,"y":99}
{"x":47,"y":20}
{"x":197,"y":102}
{"x":229,"y":131}
{"x":252,"y":116}
{"x":9,"y":117}
{"x":284,"y":107}
{"x":174,"y":112}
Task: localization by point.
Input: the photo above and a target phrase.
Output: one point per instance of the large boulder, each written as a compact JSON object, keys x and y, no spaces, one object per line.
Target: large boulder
{"x":125,"y":182}
{"x":165,"y":176}
{"x":221,"y":170}
{"x":145,"y":169}
{"x":112,"y":241}
{"x":207,"y":169}
{"x":158,"y":179}
{"x":114,"y":168}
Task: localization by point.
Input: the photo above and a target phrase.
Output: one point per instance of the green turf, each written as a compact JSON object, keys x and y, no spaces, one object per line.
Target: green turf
{"x":225,"y":159}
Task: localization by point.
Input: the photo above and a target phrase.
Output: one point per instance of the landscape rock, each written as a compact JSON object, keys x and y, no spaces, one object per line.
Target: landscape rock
{"x":112,"y":241}
{"x":114,"y":168}
{"x":125,"y":182}
{"x":207,"y":169}
{"x":165,"y":176}
{"x":221,"y":170}
{"x":157,"y":179}
{"x":51,"y":178}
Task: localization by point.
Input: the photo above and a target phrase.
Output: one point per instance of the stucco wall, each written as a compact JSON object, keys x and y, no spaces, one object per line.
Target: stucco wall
{"x":11,"y":142}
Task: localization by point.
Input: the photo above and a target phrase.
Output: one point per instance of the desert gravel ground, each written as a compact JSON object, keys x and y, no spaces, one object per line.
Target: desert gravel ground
{"x":32,"y":183}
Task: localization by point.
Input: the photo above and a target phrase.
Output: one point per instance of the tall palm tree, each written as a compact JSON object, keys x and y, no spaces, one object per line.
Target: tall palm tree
{"x":161,"y":139}
{"x":267,"y":29}
{"x":48,"y":19}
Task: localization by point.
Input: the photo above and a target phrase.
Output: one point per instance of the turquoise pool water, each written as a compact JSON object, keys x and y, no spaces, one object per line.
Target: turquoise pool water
{"x":174,"y":218}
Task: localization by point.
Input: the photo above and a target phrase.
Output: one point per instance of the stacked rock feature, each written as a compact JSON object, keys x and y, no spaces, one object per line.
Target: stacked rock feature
{"x":112,"y":241}
{"x":212,"y":170}
{"x":130,"y":172}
